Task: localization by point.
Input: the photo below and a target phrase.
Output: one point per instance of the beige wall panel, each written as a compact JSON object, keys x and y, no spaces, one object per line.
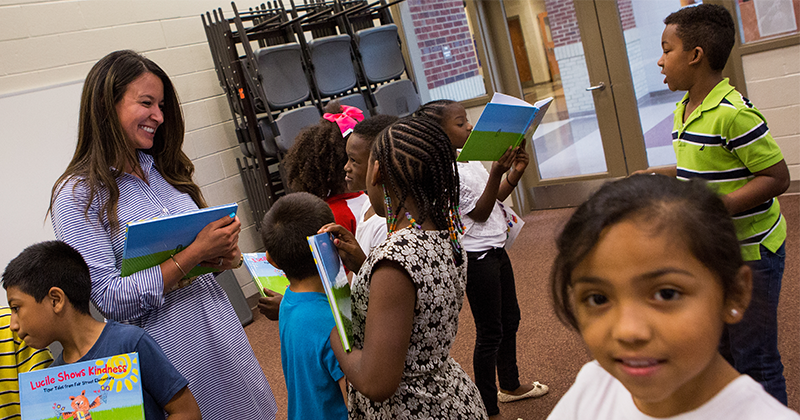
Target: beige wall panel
{"x":31,"y":54}
{"x":208,"y":170}
{"x":214,"y":138}
{"x":776,"y":92}
{"x":53,"y":18}
{"x":12,"y":24}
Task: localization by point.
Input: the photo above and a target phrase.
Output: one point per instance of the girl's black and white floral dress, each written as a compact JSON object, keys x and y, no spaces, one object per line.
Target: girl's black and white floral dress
{"x":433,"y":384}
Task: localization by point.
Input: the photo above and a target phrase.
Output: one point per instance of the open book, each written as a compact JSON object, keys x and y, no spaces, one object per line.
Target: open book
{"x":334,"y":280}
{"x":109,"y":388}
{"x":504,"y":122}
{"x":150,"y":242}
{"x":265,"y":275}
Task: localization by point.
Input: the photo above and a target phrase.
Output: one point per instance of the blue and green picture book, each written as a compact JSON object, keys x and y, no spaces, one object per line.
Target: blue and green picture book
{"x":150,"y":242}
{"x":504,"y":122}
{"x":103,"y":389}
{"x":265,"y":275}
{"x":334,"y":281}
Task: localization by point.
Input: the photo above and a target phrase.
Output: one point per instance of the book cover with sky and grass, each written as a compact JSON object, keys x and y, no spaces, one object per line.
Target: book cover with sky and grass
{"x":265,"y":275}
{"x":504,"y":122}
{"x":151,"y":242}
{"x":334,"y":281}
{"x":102,"y":389}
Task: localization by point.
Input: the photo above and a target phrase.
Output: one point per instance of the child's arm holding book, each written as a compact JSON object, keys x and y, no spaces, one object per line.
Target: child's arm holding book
{"x":376,"y":369}
{"x":521,"y":160}
{"x":183,"y":406}
{"x":483,"y":208}
{"x":769,"y":183}
{"x":164,"y":383}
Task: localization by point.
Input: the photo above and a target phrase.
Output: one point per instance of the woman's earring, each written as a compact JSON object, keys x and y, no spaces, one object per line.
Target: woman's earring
{"x":735,"y":313}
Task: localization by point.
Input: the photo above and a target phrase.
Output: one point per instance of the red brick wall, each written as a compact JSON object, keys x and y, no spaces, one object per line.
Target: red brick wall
{"x":564,"y":24}
{"x":438,"y":24}
{"x":626,"y":14}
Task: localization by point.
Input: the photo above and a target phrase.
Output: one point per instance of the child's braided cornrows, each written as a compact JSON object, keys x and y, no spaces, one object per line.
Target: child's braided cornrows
{"x":435,"y":109}
{"x":416,"y":160}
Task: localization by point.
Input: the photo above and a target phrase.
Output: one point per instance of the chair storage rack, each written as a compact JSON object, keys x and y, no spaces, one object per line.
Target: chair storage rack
{"x":279,"y":66}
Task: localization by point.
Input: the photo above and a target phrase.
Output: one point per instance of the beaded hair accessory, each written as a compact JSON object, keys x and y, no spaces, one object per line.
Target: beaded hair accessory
{"x":454,"y":225}
{"x":391,"y":218}
{"x":347,"y":119}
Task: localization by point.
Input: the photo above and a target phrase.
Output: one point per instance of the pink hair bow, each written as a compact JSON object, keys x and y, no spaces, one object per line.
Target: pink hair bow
{"x":347,"y":119}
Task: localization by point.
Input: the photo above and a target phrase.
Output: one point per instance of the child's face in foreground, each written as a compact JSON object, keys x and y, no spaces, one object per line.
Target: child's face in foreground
{"x":31,"y":320}
{"x":674,"y":61}
{"x":356,"y":167}
{"x":456,"y":124}
{"x":652,"y":315}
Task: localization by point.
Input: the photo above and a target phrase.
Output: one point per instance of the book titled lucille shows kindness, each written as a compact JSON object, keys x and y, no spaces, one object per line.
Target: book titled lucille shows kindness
{"x":101,"y":389}
{"x":151,"y":242}
{"x":334,"y":281}
{"x":265,"y":275}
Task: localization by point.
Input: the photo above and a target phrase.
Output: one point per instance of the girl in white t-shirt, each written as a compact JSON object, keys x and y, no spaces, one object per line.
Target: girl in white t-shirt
{"x":649,"y":271}
{"x":491,"y":288}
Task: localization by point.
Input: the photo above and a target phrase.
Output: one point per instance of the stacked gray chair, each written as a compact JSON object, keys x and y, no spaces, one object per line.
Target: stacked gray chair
{"x":382,"y":59}
{"x":287,"y":90}
{"x":335,"y":71}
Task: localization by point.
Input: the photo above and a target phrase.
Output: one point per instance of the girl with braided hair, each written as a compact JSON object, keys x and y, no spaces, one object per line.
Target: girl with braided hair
{"x":315,"y":163}
{"x":408,"y":293}
{"x":490,"y":278}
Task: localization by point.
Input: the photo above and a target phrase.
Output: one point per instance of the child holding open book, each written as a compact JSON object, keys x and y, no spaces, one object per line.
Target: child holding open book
{"x":406,"y":296}
{"x":48,"y":287}
{"x":314,"y":381}
{"x":490,"y":278}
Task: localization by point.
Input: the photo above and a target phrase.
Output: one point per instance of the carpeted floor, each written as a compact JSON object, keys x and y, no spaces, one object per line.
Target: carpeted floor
{"x":547,"y":350}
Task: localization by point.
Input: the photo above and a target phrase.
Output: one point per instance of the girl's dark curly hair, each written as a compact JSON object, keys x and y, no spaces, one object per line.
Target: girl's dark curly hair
{"x":689,"y":210}
{"x":416,"y":161}
{"x":315,"y":163}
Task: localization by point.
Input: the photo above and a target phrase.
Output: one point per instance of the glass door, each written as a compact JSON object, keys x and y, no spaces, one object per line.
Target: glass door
{"x":612,"y":113}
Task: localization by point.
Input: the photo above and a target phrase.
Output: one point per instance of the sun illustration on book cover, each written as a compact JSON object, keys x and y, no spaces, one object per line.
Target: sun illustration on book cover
{"x":119,"y":370}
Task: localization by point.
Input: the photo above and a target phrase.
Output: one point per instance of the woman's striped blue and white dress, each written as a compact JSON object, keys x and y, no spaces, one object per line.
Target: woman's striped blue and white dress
{"x":195,"y":326}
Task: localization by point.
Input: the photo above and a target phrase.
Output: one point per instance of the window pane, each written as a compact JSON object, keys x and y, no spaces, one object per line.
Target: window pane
{"x":441,"y":44}
{"x":761,"y":19}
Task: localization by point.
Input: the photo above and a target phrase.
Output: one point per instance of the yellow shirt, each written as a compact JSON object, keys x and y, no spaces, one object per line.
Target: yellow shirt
{"x":15,"y":357}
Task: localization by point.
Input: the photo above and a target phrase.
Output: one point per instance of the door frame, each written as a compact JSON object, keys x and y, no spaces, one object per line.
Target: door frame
{"x":615,"y":106}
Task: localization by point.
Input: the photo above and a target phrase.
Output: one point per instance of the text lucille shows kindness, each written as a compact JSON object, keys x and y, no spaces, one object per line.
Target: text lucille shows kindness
{"x":90,"y":371}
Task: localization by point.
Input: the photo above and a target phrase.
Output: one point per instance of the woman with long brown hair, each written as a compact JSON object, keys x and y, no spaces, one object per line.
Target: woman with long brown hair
{"x":128,"y":166}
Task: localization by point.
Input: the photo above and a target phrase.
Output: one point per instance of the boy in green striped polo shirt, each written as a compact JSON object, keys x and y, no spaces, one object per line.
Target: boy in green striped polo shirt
{"x":719,"y":136}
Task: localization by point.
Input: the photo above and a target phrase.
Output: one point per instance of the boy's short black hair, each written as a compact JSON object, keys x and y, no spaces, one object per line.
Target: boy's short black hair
{"x":708,"y":26}
{"x":372,"y":126}
{"x":45,"y":265}
{"x":284,"y":230}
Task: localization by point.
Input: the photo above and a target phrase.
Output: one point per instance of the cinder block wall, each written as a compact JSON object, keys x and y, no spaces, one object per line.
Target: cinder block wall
{"x":773,"y":85}
{"x":47,"y":43}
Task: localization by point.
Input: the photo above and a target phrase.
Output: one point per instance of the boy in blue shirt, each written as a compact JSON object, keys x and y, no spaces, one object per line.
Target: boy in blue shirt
{"x":719,"y":136}
{"x":315,"y":384}
{"x":48,"y":287}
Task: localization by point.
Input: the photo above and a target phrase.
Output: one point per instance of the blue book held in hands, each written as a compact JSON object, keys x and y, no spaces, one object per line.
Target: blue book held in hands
{"x":334,"y":281}
{"x":504,"y":122}
{"x":150,"y":242}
